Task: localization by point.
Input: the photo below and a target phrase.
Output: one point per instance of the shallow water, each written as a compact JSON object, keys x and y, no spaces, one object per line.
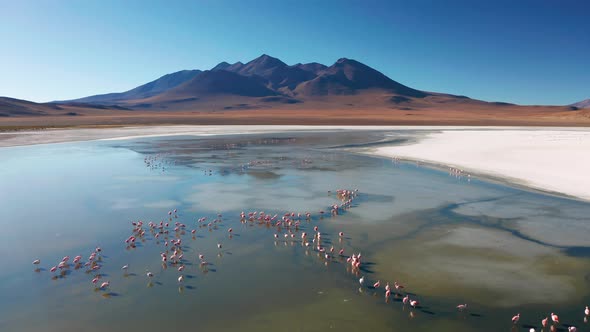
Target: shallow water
{"x":448,"y":239}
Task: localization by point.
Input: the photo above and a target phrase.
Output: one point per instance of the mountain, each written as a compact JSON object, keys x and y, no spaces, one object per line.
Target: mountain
{"x":147,"y":90}
{"x":582,"y":104}
{"x":221,"y":66}
{"x":267,"y":83}
{"x":277,"y":74}
{"x":347,"y":77}
{"x":212,"y":83}
{"x":264,"y":76}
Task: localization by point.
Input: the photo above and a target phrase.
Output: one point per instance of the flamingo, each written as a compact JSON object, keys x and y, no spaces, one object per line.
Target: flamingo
{"x":362,"y":281}
{"x":150,"y":275}
{"x":341,"y":234}
{"x":230,"y":230}
{"x":587,"y":311}
{"x":341,"y":252}
{"x":555,"y":318}
{"x":181,"y":279}
{"x":397,"y":286}
{"x":377,"y":284}
{"x":105,"y":284}
{"x":387,"y":287}
{"x":125,"y":267}
{"x":462,"y":307}
{"x":532,"y":330}
{"x":219,"y":245}
{"x":95,"y":280}
{"x":572,"y":329}
{"x":180,"y":268}
{"x":38,"y":261}
{"x":406,"y":299}
{"x":53,"y":269}
{"x":544,"y":322}
{"x":515,"y":319}
{"x":414,"y":303}
{"x":387,"y":293}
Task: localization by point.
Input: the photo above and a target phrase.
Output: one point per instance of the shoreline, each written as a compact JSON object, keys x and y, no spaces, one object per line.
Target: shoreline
{"x":549,"y":160}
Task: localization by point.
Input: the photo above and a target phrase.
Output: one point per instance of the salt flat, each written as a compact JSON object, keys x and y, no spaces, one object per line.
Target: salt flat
{"x":554,"y":160}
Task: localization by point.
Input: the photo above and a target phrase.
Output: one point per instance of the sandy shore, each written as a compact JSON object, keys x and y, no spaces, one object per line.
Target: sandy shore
{"x":555,"y":160}
{"x":549,"y":159}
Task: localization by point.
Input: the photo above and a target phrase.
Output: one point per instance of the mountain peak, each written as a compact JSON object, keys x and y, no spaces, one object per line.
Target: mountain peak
{"x":261,"y":65}
{"x":221,"y":66}
{"x":268,"y":61}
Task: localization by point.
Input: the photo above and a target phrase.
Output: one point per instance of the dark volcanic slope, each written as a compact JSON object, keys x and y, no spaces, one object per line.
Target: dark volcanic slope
{"x":147,"y":90}
{"x":277,"y":74}
{"x":219,"y":82}
{"x":348,"y":76}
{"x":312,"y":67}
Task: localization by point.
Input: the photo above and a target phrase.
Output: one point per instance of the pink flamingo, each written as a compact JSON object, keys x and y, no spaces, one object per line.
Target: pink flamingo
{"x":462,"y":307}
{"x":38,"y":261}
{"x":544,"y":322}
{"x":406,"y":299}
{"x":105,"y":284}
{"x":515,"y":319}
{"x":377,"y":284}
{"x":414,"y":303}
{"x":555,"y":318}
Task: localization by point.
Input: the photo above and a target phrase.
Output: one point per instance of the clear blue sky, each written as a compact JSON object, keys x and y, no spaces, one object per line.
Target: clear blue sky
{"x":528,"y":52}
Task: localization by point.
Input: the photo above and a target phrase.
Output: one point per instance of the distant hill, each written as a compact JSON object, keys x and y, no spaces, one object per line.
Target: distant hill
{"x":582,"y":104}
{"x":19,"y":107}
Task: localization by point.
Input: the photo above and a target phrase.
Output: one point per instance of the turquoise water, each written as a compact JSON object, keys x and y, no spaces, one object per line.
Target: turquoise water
{"x":448,"y":239}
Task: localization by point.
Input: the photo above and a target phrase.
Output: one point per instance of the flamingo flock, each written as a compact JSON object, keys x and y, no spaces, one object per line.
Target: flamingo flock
{"x":168,"y":234}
